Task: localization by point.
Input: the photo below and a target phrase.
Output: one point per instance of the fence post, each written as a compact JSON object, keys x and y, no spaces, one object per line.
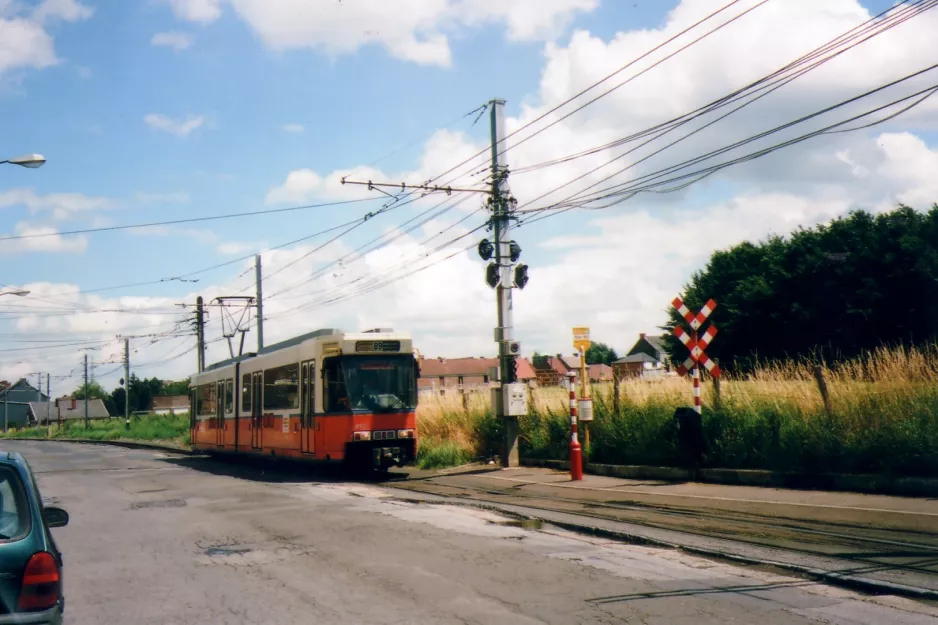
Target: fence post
{"x":716,"y":388}
{"x":822,"y":386}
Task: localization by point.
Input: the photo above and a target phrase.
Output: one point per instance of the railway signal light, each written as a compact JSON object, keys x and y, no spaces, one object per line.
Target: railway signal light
{"x":491,"y":275}
{"x":512,"y":373}
{"x":514,"y":251}
{"x":486,"y":249}
{"x":521,"y":275}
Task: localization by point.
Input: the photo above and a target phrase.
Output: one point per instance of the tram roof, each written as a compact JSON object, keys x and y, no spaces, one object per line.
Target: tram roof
{"x":296,"y":340}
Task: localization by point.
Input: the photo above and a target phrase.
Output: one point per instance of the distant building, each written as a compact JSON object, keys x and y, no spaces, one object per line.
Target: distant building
{"x":15,"y":400}
{"x":554,"y":373}
{"x":647,"y":358}
{"x":440,"y":376}
{"x":170,"y":404}
{"x":69,"y":408}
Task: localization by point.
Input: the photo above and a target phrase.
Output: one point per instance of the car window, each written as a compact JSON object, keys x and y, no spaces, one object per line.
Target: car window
{"x":14,"y":508}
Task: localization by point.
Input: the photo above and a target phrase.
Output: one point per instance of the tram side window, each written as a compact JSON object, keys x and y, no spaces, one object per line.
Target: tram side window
{"x":281,"y":387}
{"x":335,"y":395}
{"x":246,"y":393}
{"x":206,"y":400}
{"x":229,"y":396}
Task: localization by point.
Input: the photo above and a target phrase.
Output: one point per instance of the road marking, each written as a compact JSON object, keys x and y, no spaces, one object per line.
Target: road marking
{"x":711,"y":498}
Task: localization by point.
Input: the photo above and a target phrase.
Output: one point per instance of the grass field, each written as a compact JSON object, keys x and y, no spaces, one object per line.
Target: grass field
{"x":883,"y":419}
{"x":169,"y":429}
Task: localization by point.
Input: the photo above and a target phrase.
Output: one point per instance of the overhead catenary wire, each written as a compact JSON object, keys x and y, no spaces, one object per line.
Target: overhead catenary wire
{"x":776,"y":79}
{"x":624,"y":191}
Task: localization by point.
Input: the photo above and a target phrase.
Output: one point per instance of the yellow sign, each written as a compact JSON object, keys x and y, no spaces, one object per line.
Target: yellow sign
{"x":581,"y":338}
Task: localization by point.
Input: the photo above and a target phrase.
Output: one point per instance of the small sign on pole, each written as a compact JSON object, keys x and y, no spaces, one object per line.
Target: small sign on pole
{"x":581,"y":339}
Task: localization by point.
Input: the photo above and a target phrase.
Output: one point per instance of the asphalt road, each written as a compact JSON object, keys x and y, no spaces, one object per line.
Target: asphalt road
{"x":163,"y":539}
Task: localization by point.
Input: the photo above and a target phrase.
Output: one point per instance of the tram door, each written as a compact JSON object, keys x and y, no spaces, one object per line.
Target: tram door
{"x":220,"y":414}
{"x":257,"y":410}
{"x":307,"y":419}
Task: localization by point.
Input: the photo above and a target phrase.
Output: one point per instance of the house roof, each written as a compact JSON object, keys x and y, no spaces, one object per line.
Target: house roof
{"x":168,"y":402}
{"x":657,"y":342}
{"x":96,"y":409}
{"x":20,"y":387}
{"x":448,"y":367}
{"x":637,"y":357}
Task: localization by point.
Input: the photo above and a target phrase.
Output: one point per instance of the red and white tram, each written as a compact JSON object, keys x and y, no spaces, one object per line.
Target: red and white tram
{"x":324,"y":396}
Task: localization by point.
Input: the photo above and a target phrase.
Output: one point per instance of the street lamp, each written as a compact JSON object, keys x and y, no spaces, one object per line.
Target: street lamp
{"x":31,"y":161}
{"x":18,"y":293}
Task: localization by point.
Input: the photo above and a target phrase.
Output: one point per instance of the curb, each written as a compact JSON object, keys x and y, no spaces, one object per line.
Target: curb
{"x":126,"y":444}
{"x":871,"y":484}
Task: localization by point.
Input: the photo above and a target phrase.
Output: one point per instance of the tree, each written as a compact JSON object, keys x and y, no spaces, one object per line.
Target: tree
{"x":180,"y":387}
{"x":94,"y":391}
{"x":539,"y":361}
{"x":600,"y":354}
{"x":830,"y":292}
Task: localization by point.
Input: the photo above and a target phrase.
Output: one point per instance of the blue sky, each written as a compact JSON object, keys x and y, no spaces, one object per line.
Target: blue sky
{"x":86,"y":114}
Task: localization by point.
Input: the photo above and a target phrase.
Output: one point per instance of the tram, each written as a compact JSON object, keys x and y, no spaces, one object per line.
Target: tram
{"x":325,"y":396}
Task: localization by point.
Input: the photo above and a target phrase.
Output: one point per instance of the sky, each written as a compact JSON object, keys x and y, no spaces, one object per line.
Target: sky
{"x":153,"y":111}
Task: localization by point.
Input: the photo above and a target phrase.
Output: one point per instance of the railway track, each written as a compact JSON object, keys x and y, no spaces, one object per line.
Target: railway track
{"x":904,"y":553}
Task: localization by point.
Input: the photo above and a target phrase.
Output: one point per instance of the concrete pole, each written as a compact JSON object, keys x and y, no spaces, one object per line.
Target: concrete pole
{"x":258,"y":280}
{"x":87,"y":423}
{"x":502,"y":225}
{"x":126,"y":384}
{"x":200,"y":332}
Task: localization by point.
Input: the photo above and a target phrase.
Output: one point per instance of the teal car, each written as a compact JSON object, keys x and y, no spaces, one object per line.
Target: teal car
{"x":30,"y":562}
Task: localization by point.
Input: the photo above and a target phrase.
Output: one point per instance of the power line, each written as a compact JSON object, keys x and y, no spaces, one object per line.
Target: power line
{"x":623,"y":189}
{"x":185,"y":221}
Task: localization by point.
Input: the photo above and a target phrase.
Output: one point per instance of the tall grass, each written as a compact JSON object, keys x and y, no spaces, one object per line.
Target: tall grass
{"x":163,"y":428}
{"x":883,"y":418}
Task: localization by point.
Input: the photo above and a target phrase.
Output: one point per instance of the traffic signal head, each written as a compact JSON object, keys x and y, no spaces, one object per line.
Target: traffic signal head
{"x":486,"y":249}
{"x":514,"y":251}
{"x":491,"y":275}
{"x":512,"y":371}
{"x":521,"y":275}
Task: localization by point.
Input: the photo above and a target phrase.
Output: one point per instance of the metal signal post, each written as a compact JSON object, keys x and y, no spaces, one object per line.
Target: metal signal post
{"x":510,"y":400}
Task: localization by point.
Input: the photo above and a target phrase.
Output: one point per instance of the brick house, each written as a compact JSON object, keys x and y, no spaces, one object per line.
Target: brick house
{"x":440,"y":376}
{"x":557,"y":367}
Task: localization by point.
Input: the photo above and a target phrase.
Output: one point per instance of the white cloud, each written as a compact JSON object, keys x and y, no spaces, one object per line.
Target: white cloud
{"x":202,"y":11}
{"x":55,"y":243}
{"x":293,"y":127}
{"x":25,"y":44}
{"x":178,"y":127}
{"x":176,"y":197}
{"x":175,"y":40}
{"x":24,"y":41}
{"x":67,"y":10}
{"x":300,"y":186}
{"x":411,"y":30}
{"x":237,"y":248}
{"x":84,"y":72}
{"x":61,"y":205}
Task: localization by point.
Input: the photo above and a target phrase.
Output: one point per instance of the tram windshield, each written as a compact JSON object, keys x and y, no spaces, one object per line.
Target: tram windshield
{"x":375,"y":383}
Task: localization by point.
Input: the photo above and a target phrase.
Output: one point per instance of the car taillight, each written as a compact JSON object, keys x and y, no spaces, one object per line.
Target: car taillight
{"x":40,"y":583}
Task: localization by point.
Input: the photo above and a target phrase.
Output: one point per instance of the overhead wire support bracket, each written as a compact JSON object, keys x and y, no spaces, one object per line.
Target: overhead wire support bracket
{"x":403,"y":186}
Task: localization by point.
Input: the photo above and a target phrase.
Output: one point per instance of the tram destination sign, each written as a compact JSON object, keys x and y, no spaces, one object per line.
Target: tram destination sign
{"x":377,"y":346}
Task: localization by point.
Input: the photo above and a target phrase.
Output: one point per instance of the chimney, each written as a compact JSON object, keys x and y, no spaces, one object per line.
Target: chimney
{"x":642,"y":335}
